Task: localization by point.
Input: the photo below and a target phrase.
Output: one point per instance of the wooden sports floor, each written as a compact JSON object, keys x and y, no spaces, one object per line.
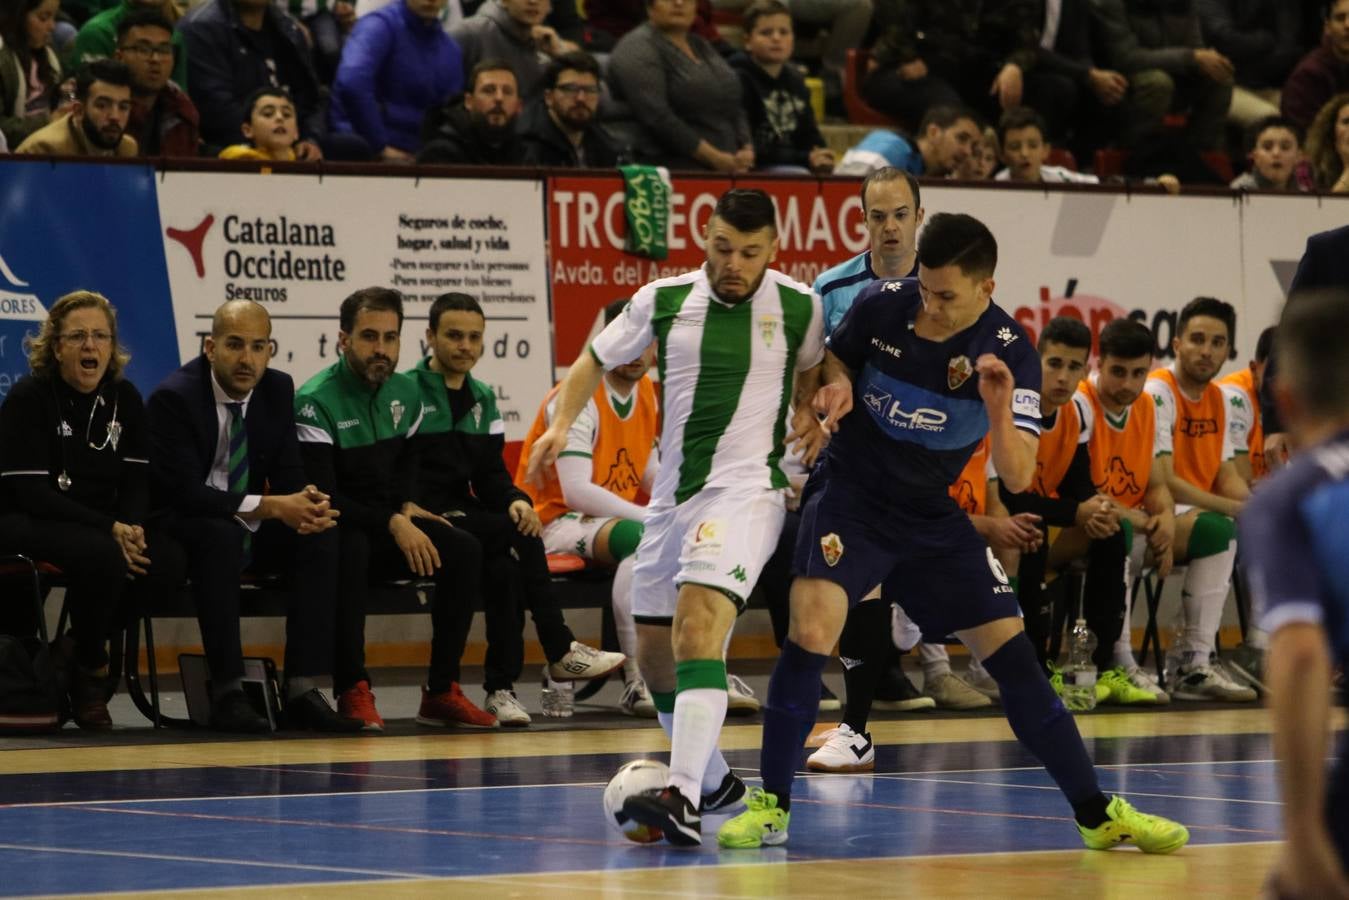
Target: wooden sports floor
{"x":954,"y":809}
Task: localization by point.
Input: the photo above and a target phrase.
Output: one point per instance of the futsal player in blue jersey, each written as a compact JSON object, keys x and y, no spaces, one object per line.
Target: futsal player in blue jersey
{"x":1295,"y":551}
{"x":931,"y":365}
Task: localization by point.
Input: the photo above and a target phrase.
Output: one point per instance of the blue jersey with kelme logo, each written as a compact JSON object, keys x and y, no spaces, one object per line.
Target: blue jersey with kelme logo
{"x":917,"y":414}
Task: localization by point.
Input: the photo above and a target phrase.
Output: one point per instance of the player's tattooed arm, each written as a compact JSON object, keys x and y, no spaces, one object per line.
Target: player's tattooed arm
{"x":807,"y":437}
{"x":1012,"y":449}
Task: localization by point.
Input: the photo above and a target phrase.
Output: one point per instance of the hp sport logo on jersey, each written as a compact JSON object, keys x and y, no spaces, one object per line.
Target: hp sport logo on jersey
{"x":892,"y":412}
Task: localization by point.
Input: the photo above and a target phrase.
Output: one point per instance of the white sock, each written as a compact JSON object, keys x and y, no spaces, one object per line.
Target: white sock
{"x":936,"y":661}
{"x":1124,"y":644}
{"x":623,"y":624}
{"x":717,"y":767}
{"x":1207,"y":581}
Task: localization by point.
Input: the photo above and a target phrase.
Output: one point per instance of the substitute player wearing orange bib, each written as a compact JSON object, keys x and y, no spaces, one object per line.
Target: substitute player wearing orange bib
{"x":589,"y":508}
{"x":1242,"y":388}
{"x":1196,"y":449}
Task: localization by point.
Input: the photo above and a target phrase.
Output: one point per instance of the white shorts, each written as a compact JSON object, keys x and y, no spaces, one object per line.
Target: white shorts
{"x":573,"y":533}
{"x":719,"y":538}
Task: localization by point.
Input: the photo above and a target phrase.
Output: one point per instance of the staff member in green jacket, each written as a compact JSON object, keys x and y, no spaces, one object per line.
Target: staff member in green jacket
{"x":355,"y":421}
{"x":461,"y":475}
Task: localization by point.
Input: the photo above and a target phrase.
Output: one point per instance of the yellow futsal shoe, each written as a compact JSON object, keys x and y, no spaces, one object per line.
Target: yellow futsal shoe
{"x":1120,"y":689}
{"x":1056,"y":682}
{"x":761,"y":824}
{"x":1151,"y":834}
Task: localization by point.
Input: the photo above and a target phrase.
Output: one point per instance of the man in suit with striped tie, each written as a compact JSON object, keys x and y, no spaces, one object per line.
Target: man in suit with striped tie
{"x":225,"y":465}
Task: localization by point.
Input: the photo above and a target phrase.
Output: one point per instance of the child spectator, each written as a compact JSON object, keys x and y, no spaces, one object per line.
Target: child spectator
{"x":1274,"y":148}
{"x":983,"y":159}
{"x":270,"y":129}
{"x":1024,"y":151}
{"x":777,"y":101}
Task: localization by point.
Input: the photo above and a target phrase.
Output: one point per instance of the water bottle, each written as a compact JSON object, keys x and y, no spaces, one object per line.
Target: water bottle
{"x":1079,"y":676}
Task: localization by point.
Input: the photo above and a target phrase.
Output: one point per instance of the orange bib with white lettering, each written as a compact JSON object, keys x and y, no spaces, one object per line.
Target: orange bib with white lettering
{"x":1244,"y":379}
{"x":1055,"y":454}
{"x":1121,"y":458}
{"x":618,"y":459}
{"x":1197,"y":442}
{"x":970,"y":489}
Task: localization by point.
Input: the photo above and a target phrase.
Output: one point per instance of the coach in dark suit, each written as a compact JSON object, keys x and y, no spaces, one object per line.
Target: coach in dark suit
{"x":226,"y":472}
{"x":1324,"y":264}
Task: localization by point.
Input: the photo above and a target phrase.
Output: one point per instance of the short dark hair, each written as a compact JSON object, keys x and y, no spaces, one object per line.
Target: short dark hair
{"x":1126,"y":339}
{"x":1067,"y":331}
{"x":489,"y":65}
{"x":1021,"y":117}
{"x":760,"y":9}
{"x":1211,"y":307}
{"x":1260,"y":127}
{"x":454,"y":302}
{"x":614,"y":309}
{"x":575,"y":61}
{"x":1264,"y":343}
{"x":957,"y":239}
{"x":946,"y":116}
{"x":140,"y":17}
{"x":108,"y":71}
{"x":375,"y":299}
{"x":890,"y":173}
{"x":1310,"y":344}
{"x":265,"y":91}
{"x":746,"y":209}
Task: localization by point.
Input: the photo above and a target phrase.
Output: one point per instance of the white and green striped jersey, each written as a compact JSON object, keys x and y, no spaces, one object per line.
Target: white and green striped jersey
{"x":726,"y":373}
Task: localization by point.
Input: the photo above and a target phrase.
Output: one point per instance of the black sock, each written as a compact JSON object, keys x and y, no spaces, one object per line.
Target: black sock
{"x":862,"y":648}
{"x":1091,"y":813}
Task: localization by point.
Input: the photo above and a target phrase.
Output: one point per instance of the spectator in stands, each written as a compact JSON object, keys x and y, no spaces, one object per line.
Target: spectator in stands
{"x":269,"y":128}
{"x":982,"y":162}
{"x":1196,"y":460}
{"x":461,"y":476}
{"x":612,"y":19}
{"x":1087,"y":114}
{"x":397,"y":64}
{"x":777,"y":101}
{"x":1274,"y":148}
{"x":30,"y":73}
{"x":235,"y":47}
{"x":1262,"y":38}
{"x":589,"y":504}
{"x":366,"y":466}
{"x":74,"y":453}
{"x":328,"y":22}
{"x":97,"y":122}
{"x":1025,"y":147}
{"x":560,"y":129}
{"x":940,"y":52}
{"x":163,"y":120}
{"x":512,"y":31}
{"x":1160,"y":48}
{"x":478,"y":128}
{"x":1328,"y":146}
{"x":226,"y":473}
{"x":946,"y":136}
{"x":682,"y":92}
{"x":99,"y":38}
{"x":1322,"y":73}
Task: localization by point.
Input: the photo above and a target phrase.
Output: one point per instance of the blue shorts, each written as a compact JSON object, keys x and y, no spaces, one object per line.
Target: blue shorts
{"x":923,"y":551}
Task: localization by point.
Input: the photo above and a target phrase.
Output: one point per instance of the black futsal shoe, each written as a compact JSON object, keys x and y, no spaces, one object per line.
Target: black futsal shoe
{"x":670,"y":811}
{"x":311,"y":711}
{"x":728,"y":795}
{"x":234,"y":713}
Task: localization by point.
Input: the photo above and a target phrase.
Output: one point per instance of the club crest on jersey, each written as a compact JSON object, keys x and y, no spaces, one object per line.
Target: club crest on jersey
{"x":831,"y":545}
{"x":768,"y":329}
{"x":396,"y":410}
{"x":958,"y":371}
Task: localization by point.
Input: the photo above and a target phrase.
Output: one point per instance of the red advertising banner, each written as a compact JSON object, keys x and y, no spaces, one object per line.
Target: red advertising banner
{"x":820,"y":224}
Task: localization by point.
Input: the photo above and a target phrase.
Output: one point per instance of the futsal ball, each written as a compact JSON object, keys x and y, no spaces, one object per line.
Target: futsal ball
{"x":634,"y":778}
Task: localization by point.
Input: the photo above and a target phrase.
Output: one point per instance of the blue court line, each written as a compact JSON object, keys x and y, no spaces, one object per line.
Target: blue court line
{"x":535,"y":829}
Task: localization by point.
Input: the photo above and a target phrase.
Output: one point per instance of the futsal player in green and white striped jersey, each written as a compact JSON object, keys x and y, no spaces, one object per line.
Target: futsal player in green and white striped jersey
{"x":736,"y":341}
